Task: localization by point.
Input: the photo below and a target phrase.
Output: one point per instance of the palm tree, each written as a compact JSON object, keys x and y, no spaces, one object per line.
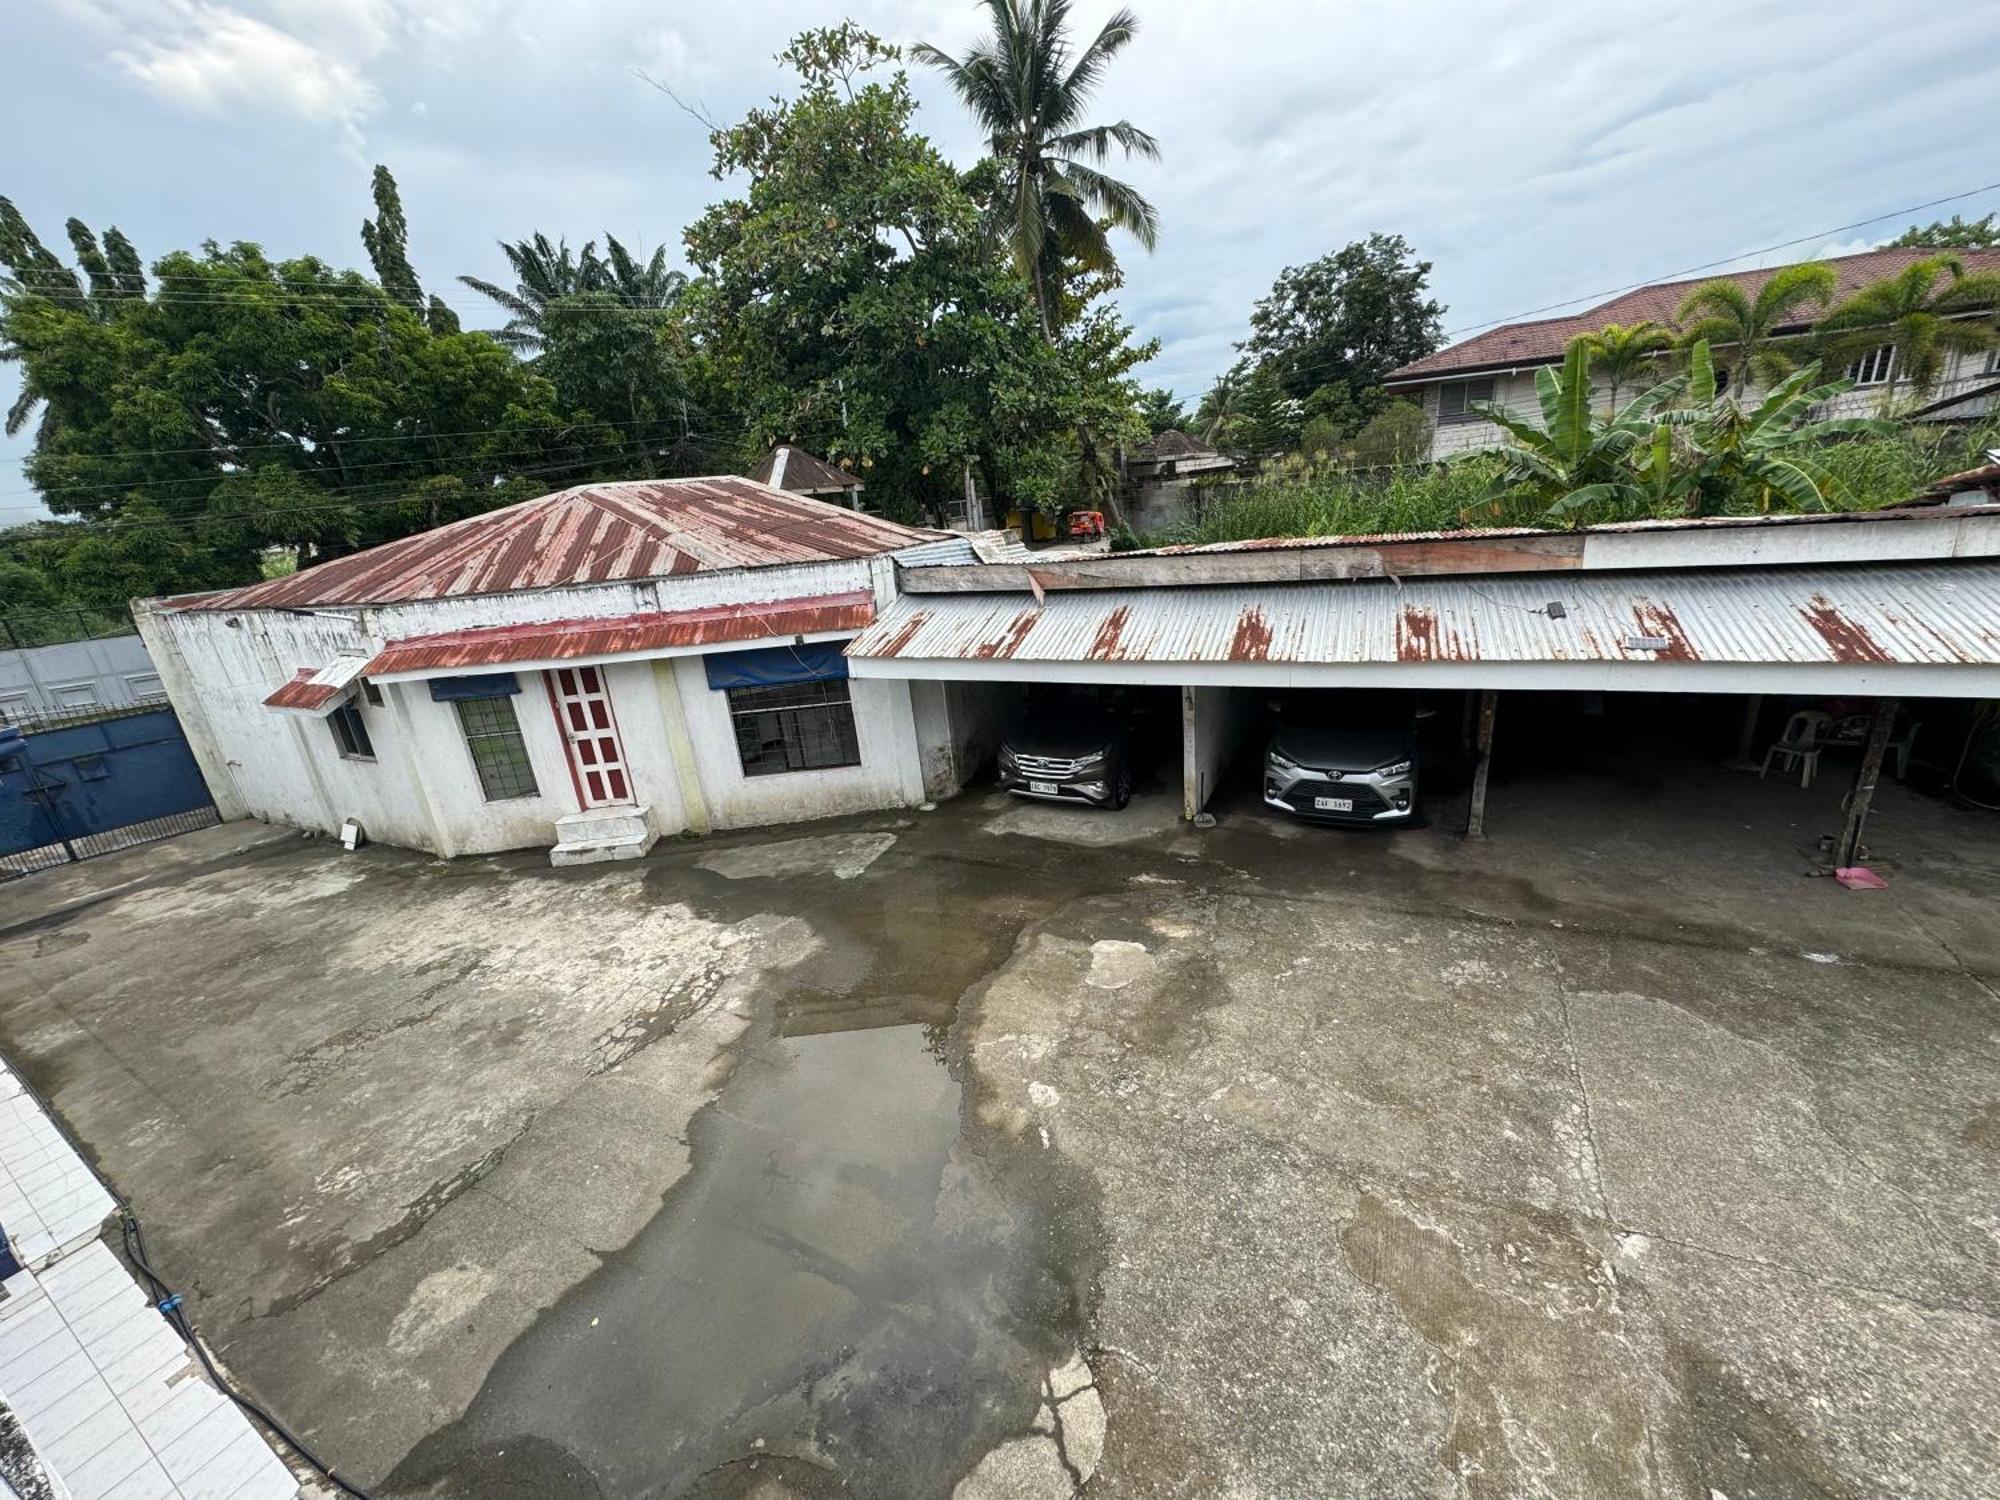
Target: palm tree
{"x":543,"y":273}
{"x":1723,"y":315}
{"x":1620,"y":351}
{"x":1930,"y":309}
{"x":1029,"y":97}
{"x":634,"y":284}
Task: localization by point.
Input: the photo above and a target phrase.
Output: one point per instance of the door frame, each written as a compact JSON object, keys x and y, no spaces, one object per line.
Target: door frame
{"x":622,"y":766}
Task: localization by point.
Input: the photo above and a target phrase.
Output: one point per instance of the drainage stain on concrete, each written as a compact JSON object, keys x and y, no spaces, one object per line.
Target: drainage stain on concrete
{"x":858,"y":1283}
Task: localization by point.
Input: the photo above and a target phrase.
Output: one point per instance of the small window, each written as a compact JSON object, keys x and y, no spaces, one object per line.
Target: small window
{"x":1993,"y":363}
{"x":1873,"y":367}
{"x":372,"y":693}
{"x":797,"y":726}
{"x":350,"y":734}
{"x":1456,"y":399}
{"x":493,"y":735}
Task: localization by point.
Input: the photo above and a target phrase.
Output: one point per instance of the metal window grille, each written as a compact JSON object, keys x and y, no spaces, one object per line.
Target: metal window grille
{"x":350,"y":734}
{"x":1456,"y":399}
{"x":493,"y":735}
{"x":798,"y":726}
{"x":1873,"y":367}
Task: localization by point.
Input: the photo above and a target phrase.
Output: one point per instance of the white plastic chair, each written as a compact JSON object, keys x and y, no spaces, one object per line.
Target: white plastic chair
{"x":1799,"y":746}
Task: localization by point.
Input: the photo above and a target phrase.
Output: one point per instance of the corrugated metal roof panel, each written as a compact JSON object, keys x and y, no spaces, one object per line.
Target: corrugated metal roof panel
{"x":568,"y":640}
{"x":320,"y":690}
{"x":591,"y":534}
{"x":1919,"y":614}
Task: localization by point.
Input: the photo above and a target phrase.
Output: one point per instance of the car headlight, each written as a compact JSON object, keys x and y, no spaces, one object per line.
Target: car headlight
{"x":1396,"y":768}
{"x":1282,"y":762}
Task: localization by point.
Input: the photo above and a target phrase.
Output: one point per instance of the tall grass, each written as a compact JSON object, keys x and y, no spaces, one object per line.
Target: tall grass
{"x":1868,"y":473}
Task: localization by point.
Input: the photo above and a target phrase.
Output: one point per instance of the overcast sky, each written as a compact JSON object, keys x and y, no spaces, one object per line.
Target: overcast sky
{"x":1534,"y":152}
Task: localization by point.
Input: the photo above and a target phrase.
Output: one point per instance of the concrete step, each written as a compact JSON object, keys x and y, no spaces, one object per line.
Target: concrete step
{"x":603,"y":823}
{"x":595,"y":851}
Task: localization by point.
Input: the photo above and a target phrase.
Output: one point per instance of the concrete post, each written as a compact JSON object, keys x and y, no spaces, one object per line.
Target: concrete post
{"x":1475,"y":823}
{"x":680,"y":746}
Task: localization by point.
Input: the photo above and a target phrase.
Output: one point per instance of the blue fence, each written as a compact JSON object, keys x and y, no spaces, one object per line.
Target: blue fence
{"x":72,"y":789}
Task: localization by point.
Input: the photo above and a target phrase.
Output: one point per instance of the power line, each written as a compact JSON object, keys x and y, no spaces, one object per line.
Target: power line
{"x":1894,"y":213}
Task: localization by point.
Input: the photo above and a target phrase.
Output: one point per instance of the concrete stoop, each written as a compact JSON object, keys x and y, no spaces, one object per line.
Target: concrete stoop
{"x":588,"y":838}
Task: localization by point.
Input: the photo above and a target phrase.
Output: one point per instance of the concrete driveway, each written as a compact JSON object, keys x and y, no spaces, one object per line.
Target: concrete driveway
{"x":1005,"y":1150}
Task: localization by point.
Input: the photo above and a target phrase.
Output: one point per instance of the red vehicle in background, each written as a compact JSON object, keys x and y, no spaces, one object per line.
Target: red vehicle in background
{"x":1086,"y":523}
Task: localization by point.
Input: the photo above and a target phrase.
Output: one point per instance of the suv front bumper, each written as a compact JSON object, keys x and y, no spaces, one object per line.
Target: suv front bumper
{"x":1298,"y":790}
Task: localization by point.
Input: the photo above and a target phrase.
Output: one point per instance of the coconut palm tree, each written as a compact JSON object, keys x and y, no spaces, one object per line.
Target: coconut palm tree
{"x":545,"y":273}
{"x":1929,"y":310}
{"x":1620,"y":351}
{"x":638,"y":285}
{"x":1028,"y":88}
{"x":1724,"y":316}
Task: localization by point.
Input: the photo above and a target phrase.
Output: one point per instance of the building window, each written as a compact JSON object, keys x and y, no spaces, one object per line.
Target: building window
{"x":797,"y":726}
{"x":372,"y":693}
{"x":1873,"y":367}
{"x":1457,"y":397}
{"x":493,"y":735}
{"x":1993,"y":363}
{"x":349,"y":733}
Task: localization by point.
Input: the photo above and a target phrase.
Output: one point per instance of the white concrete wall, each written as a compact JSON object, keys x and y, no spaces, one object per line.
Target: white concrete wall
{"x":1214,"y":722}
{"x":1515,"y":392}
{"x":422,"y":790}
{"x":890,"y":774}
{"x":113,"y":671}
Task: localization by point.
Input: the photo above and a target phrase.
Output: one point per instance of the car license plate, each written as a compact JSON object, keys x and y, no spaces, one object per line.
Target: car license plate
{"x":1333,"y":804}
{"x":1044,"y":788}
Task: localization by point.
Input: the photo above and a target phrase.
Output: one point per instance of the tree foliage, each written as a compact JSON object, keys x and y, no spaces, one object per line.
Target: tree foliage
{"x":1744,"y":325}
{"x":1954,"y":233}
{"x":850,"y":301}
{"x":1029,"y":89}
{"x":1926,"y":312}
{"x":1619,"y":352}
{"x":546,"y":273}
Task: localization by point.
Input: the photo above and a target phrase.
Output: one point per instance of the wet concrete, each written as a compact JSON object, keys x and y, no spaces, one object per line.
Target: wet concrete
{"x":985,"y":1153}
{"x":850,"y":1281}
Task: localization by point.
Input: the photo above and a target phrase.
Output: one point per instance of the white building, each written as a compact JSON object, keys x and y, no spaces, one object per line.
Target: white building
{"x":596,"y":667}
{"x":1498,"y":366}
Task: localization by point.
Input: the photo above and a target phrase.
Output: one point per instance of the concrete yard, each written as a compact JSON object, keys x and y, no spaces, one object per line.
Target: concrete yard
{"x":1003,"y":1149}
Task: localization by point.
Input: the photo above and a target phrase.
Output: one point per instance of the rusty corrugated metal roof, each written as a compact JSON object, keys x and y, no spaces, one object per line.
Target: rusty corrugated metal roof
{"x":598,"y":533}
{"x":1918,"y":614}
{"x":568,"y":640}
{"x":790,"y":467}
{"x":319,"y":690}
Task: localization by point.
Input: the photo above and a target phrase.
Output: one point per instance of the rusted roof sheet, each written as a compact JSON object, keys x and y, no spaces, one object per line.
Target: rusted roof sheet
{"x":319,"y":690}
{"x":1544,"y":340}
{"x":1907,"y":613}
{"x":1986,"y":477}
{"x":567,"y":640}
{"x":598,"y":533}
{"x":789,"y":467}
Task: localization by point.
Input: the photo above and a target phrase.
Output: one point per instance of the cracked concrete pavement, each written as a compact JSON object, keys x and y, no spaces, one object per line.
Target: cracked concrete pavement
{"x":1013,"y":1152}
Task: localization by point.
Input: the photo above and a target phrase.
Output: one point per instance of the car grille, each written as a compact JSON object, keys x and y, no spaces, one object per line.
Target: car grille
{"x":1367,"y":801}
{"x":1047,"y":767}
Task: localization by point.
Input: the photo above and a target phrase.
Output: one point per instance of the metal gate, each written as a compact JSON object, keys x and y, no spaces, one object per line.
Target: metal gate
{"x":77,"y":785}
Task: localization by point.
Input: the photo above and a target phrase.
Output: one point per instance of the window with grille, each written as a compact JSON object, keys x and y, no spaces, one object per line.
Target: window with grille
{"x":350,"y":735}
{"x":1456,"y":399}
{"x":493,"y":735}
{"x":1873,"y":367}
{"x":796,"y":726}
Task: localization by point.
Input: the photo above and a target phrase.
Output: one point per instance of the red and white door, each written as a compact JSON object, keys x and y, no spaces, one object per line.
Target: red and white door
{"x":590,"y":735}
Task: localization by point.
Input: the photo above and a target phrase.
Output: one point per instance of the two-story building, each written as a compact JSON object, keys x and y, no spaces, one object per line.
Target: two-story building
{"x":1499,"y":365}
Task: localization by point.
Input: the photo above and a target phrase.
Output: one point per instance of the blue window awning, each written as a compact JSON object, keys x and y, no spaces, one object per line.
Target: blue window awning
{"x":486,"y":685}
{"x":773,"y":665}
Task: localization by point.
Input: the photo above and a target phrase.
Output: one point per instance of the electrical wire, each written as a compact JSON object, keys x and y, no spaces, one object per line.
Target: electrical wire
{"x":169,"y":1305}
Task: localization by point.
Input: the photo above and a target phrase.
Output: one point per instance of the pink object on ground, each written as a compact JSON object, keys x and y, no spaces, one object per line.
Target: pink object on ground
{"x":1860,"y":878}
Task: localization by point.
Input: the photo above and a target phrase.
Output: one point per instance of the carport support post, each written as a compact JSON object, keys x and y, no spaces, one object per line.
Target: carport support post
{"x":1746,"y":743}
{"x":1863,"y":795}
{"x":1475,"y":822}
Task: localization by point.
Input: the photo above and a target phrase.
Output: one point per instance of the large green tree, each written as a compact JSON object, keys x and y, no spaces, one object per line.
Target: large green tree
{"x":1029,"y":87}
{"x":1329,"y":332}
{"x":545,"y":273}
{"x":1954,"y":233}
{"x":850,"y":301}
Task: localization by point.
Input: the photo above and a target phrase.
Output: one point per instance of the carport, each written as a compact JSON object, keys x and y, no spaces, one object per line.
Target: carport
{"x":1878,"y":606}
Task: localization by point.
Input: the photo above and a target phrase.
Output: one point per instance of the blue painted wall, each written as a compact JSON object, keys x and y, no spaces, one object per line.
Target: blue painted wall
{"x":97,"y":777}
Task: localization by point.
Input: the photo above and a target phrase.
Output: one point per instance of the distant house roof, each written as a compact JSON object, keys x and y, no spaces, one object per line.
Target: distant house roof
{"x":787,"y":467}
{"x":1544,"y":341}
{"x":594,"y":533}
{"x":1173,"y":443}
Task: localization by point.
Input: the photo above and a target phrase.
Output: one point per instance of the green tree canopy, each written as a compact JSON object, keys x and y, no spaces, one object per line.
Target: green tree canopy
{"x":1926,"y":312}
{"x":1742,"y":327}
{"x":850,"y":301}
{"x":1620,"y":352}
{"x":1954,"y":233}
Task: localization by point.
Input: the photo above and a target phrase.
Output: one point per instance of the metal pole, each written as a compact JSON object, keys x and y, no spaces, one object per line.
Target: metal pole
{"x":1475,"y":823}
{"x":1863,"y":795}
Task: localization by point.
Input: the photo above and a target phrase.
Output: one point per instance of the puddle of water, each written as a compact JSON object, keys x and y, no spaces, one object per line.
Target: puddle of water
{"x":848,"y":1277}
